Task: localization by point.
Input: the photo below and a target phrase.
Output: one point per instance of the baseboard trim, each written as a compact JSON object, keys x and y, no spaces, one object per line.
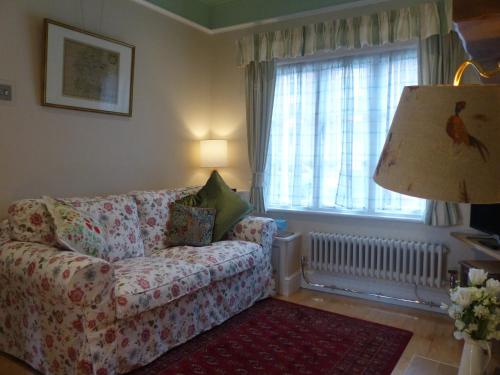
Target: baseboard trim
{"x":378,"y":286}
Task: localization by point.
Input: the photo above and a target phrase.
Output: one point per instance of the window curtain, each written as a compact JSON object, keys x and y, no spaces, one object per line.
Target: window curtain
{"x":439,"y":58}
{"x":329,"y":126}
{"x":385,"y":27}
{"x":260,"y":86}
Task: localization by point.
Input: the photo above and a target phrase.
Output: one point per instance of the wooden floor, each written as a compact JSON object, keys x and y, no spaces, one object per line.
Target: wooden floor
{"x":432,"y":332}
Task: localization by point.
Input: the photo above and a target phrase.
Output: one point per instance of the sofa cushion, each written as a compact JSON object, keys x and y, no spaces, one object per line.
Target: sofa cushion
{"x":230,"y":207}
{"x":118,"y":216}
{"x":223,"y":259}
{"x":76,"y":230}
{"x":191,"y":226}
{"x":30,"y":221}
{"x":153,"y":209}
{"x":147,"y":282}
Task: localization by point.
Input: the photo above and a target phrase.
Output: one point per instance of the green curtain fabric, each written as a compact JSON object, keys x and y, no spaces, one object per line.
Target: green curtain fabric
{"x":439,"y":58}
{"x":260,"y":86}
{"x":397,"y":25}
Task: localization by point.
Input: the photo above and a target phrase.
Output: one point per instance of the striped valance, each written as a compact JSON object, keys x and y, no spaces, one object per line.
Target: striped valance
{"x":415,"y":22}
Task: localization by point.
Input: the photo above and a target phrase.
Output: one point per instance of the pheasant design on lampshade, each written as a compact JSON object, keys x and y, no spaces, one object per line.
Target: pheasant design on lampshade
{"x":441,"y":144}
{"x":455,"y":128}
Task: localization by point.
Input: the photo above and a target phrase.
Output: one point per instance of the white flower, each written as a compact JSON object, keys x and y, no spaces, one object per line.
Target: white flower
{"x":455,"y":311}
{"x":462,"y":296}
{"x":492,"y":283}
{"x":477,"y":293}
{"x":477,"y":276}
{"x":481,"y":311}
{"x":458,"y":335}
{"x":459,"y":324}
{"x":493,"y":286}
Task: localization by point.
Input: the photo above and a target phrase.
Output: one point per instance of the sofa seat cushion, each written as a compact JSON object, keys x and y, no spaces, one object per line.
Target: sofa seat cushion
{"x":144,"y":283}
{"x":223,"y":259}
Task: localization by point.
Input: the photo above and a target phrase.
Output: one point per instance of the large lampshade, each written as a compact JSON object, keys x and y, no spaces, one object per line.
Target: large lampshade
{"x":444,"y":144}
{"x":213,"y":153}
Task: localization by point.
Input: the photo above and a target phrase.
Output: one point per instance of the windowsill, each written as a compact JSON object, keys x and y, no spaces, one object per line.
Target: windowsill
{"x":400,"y":219}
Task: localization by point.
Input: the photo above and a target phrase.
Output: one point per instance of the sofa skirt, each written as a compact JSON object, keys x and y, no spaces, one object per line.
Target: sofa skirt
{"x":145,"y":337}
{"x":57,"y":339}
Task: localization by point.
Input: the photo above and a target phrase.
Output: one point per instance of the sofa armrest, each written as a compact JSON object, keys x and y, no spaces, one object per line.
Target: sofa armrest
{"x":53,"y":274}
{"x":256,"y":229}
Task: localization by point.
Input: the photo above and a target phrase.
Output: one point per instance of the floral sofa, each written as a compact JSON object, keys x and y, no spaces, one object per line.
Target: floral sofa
{"x":68,"y":313}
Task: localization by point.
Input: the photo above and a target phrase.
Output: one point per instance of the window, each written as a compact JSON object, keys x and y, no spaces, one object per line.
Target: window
{"x":330,"y":120}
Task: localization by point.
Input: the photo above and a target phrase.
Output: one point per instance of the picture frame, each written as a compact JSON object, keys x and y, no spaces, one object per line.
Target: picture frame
{"x":86,"y":71}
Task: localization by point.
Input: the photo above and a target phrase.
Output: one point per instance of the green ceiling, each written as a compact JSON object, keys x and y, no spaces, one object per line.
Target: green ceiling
{"x":216,"y":14}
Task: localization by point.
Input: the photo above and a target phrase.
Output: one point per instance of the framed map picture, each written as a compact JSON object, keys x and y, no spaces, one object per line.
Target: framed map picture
{"x":86,"y":71}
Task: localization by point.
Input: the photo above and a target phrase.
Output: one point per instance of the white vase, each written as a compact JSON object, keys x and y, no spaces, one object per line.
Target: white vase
{"x":475,"y":357}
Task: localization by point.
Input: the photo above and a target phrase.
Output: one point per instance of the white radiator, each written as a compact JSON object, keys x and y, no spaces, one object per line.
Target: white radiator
{"x":382,"y":258}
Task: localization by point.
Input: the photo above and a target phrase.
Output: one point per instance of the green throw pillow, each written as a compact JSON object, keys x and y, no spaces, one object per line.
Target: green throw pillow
{"x":191,"y":200}
{"x":230,"y":208}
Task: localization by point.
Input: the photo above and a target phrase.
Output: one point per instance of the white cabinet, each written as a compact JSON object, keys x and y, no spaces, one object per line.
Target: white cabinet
{"x":286,"y":262}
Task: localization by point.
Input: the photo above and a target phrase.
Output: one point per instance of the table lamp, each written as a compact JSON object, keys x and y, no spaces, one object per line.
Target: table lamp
{"x":213,"y":153}
{"x":444,"y":142}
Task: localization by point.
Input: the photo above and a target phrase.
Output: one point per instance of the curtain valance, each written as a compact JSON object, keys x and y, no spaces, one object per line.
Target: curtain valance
{"x":415,"y":22}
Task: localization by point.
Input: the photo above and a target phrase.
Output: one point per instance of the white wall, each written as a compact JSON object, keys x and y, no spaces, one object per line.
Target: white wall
{"x":64,"y":152}
{"x":187,"y":87}
{"x":228,"y":117}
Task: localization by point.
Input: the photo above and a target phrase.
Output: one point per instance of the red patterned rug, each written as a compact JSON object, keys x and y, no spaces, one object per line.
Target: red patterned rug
{"x":277,"y":337}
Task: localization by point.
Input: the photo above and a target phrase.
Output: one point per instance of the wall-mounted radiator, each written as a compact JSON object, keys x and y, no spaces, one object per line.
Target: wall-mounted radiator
{"x":382,"y":258}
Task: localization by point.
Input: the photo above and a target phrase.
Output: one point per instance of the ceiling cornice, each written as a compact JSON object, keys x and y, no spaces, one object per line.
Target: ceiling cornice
{"x":174,"y":16}
{"x":246,"y":25}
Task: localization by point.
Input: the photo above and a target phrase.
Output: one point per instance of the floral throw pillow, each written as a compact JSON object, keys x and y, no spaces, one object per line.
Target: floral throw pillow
{"x":29,"y":221}
{"x":192,"y":226}
{"x":117,"y":215}
{"x":76,"y":230}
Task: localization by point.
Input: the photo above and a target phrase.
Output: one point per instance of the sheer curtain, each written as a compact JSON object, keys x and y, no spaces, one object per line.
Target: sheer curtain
{"x":329,"y":124}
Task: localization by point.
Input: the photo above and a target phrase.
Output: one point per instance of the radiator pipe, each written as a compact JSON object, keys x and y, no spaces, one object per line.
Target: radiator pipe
{"x":418,"y":301}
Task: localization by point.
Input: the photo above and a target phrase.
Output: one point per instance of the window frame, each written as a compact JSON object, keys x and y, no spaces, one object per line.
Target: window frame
{"x":370,"y":213}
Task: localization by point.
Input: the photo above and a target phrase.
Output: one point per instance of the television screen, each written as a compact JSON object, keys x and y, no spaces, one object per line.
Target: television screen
{"x":486,"y":218}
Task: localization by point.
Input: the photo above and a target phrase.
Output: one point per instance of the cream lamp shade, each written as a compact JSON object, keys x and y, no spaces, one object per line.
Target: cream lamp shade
{"x":213,"y":153}
{"x":444,"y":144}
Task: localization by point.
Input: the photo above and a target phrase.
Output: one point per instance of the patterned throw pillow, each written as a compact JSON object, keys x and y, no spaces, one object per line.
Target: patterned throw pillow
{"x":29,"y":221}
{"x":153,"y":210}
{"x":76,"y":230}
{"x":117,"y":214}
{"x":190,"y":226}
